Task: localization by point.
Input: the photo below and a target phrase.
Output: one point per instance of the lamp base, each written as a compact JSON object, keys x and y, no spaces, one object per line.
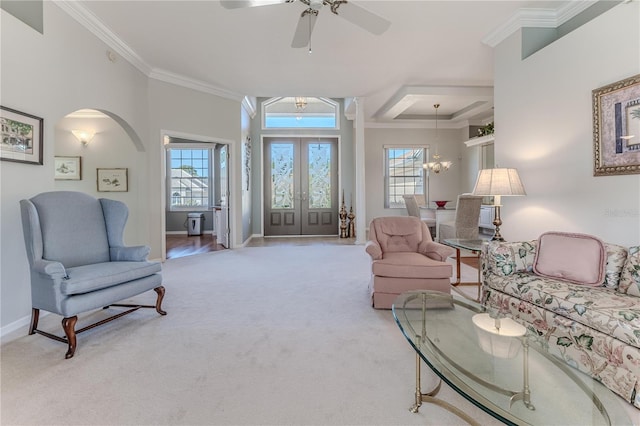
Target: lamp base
{"x":497,"y":221}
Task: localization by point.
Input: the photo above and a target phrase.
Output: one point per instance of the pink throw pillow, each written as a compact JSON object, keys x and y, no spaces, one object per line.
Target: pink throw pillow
{"x":576,"y":258}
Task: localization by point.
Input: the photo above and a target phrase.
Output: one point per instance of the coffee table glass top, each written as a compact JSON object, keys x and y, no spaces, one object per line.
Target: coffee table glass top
{"x":473,"y":245}
{"x":520,"y":383}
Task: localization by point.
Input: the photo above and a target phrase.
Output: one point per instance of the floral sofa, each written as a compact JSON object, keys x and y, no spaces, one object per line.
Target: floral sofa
{"x":594,"y":328}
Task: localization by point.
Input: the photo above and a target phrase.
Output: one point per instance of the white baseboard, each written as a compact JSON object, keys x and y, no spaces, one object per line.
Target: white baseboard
{"x":17,"y":325}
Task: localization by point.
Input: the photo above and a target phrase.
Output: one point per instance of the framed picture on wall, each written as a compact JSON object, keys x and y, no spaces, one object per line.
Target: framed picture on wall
{"x":21,"y":137}
{"x":616,"y":128}
{"x":68,"y":168}
{"x":112,"y":180}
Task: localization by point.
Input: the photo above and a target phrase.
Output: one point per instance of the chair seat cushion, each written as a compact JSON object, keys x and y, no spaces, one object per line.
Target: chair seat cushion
{"x":410,"y":265}
{"x":88,"y":278}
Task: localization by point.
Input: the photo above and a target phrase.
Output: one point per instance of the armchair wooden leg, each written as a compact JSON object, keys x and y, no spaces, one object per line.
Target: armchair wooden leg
{"x":69,"y":326}
{"x":35,"y":315}
{"x":160,"y":291}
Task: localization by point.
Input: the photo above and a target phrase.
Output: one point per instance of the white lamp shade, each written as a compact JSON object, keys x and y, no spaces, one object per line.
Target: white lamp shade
{"x":498,"y":182}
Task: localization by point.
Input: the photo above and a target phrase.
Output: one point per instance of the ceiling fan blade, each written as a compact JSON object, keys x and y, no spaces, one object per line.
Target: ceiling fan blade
{"x":362,"y":17}
{"x":237,"y":4}
{"x":305,"y":27}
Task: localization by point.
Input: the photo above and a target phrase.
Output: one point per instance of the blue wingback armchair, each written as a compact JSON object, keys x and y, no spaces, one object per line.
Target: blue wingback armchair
{"x":78,"y":260}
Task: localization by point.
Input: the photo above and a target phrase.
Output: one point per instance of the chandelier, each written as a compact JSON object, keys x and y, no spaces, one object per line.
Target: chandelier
{"x":437,"y":166}
{"x":301,"y":103}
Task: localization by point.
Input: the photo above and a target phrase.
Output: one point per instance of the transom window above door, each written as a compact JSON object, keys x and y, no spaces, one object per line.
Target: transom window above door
{"x":300,"y":113}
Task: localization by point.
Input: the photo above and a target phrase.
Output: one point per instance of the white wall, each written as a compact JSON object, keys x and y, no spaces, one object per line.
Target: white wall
{"x":443,"y":186}
{"x":245,"y":167}
{"x":197,"y":115}
{"x":543,"y":113}
{"x":111,"y":147}
{"x":66,"y":69}
{"x":50,"y":76}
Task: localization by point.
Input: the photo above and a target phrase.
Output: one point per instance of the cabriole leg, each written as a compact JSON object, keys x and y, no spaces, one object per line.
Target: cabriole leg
{"x":160,"y":291}
{"x":69,"y":326}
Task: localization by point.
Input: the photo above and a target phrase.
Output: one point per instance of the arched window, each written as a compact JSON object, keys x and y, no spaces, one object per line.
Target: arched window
{"x":300,"y":113}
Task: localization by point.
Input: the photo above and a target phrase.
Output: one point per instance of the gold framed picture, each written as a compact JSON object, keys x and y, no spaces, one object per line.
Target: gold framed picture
{"x":68,"y":168}
{"x":616,"y":128}
{"x":112,"y":180}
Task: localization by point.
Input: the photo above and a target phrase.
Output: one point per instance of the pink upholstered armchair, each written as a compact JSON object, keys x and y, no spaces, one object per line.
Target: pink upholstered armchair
{"x":404,"y":257}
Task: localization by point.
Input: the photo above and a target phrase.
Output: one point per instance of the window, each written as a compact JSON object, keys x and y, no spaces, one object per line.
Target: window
{"x":190,"y":171}
{"x":300,"y":113}
{"x":404,"y":174}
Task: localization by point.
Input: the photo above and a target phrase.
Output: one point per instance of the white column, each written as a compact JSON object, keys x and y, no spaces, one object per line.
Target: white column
{"x":360,"y":204}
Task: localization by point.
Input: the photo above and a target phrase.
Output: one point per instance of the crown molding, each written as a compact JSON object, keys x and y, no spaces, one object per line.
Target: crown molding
{"x":249,"y":103}
{"x":536,"y":18}
{"x":200,"y":86}
{"x":91,"y":22}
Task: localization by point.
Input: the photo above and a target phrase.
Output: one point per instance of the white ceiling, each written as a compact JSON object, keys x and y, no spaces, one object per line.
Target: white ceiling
{"x":432,"y":53}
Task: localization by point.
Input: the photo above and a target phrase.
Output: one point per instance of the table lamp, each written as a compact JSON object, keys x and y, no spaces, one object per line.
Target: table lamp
{"x":496,"y":183}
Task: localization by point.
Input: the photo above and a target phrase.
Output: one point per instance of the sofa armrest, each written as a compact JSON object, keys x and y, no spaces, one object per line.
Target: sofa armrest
{"x":437,"y":251}
{"x":129,"y":254}
{"x":49,"y":268}
{"x":507,"y":258}
{"x":374,"y":250}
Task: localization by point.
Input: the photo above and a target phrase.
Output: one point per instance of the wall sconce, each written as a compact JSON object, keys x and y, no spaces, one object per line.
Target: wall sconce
{"x":83,"y":136}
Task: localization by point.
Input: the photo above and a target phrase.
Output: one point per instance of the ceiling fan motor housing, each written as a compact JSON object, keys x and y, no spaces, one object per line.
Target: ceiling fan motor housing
{"x":316,"y":4}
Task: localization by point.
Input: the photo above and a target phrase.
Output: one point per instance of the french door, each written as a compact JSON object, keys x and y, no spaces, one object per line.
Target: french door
{"x":301,"y":186}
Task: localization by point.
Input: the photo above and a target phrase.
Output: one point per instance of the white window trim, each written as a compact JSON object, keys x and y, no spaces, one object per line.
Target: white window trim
{"x":189,"y":145}
{"x":385,"y":170}
{"x":276,"y":99}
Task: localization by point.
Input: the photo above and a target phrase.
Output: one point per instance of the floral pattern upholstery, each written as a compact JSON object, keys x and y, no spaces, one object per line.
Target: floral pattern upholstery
{"x":630,"y":280}
{"x":596,"y":330}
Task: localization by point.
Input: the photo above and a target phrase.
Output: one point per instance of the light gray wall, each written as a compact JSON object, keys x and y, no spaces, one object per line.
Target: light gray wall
{"x":176,"y":222}
{"x":50,"y":82}
{"x":346,"y":157}
{"x":192,"y":115}
{"x":443,"y":186}
{"x":246,"y":168}
{"x":543,"y":113}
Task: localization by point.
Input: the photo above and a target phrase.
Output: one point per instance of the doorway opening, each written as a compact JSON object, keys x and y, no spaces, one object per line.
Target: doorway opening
{"x":197,"y":193}
{"x":301,"y":186}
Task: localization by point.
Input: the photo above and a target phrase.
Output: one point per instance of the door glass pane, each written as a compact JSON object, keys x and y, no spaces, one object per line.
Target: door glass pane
{"x":281,"y":176}
{"x":223,"y":176}
{"x":320,"y":176}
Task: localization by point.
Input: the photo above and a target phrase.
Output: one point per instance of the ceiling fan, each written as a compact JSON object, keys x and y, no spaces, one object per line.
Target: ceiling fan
{"x":347,"y":9}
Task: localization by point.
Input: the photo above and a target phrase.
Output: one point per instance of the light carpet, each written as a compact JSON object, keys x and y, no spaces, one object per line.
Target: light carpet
{"x":253,"y":336}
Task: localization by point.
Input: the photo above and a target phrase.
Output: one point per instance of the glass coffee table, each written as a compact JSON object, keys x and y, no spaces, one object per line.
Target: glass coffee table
{"x":498,"y":365}
{"x":475,"y":247}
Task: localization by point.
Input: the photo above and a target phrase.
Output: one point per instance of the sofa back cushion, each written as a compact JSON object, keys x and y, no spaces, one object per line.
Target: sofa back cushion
{"x":630,"y":278}
{"x":73,"y":228}
{"x":576,"y":258}
{"x":616,"y":258}
{"x":398,"y":233}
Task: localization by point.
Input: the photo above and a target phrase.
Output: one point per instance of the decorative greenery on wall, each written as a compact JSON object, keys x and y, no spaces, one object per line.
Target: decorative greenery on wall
{"x":486,"y":130}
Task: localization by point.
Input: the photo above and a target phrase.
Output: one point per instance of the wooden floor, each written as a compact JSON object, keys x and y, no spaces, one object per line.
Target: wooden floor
{"x":183,"y":245}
